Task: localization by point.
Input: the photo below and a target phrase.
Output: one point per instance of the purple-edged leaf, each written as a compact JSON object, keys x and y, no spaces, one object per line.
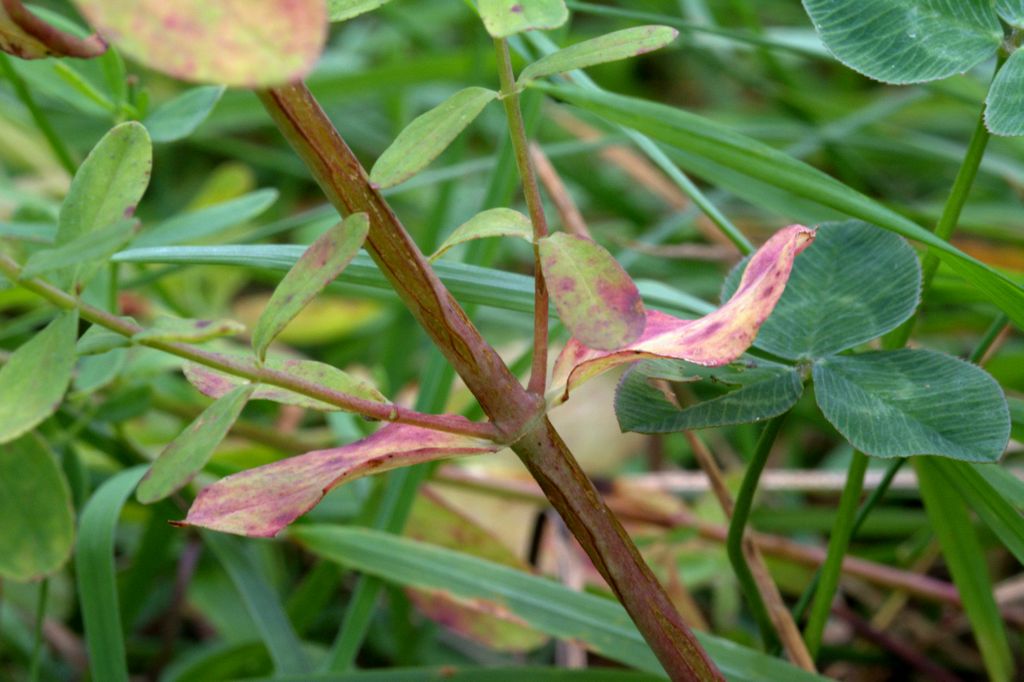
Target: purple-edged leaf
{"x":630,"y":42}
{"x":262,"y":501}
{"x":715,"y":339}
{"x":187,"y":454}
{"x":168,"y":328}
{"x":246,"y":43}
{"x":25,"y":35}
{"x":495,"y":222}
{"x":595,"y":297}
{"x":321,"y":263}
{"x":216,"y":384}
{"x":503,"y":18}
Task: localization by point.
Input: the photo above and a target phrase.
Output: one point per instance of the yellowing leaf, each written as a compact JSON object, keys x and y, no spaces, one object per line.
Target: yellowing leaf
{"x":246,"y":43}
{"x":495,"y":222}
{"x":25,"y":35}
{"x":262,"y":501}
{"x":715,"y":339}
{"x":503,"y":18}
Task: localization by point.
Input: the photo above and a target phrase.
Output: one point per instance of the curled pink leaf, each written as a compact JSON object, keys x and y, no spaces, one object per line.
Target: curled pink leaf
{"x":715,"y":339}
{"x":25,"y":35}
{"x":262,"y":501}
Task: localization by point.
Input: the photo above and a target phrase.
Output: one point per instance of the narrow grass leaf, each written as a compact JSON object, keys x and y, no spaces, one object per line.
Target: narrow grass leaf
{"x":167,"y":328}
{"x":503,"y":18}
{"x":907,"y":41}
{"x":914,"y":402}
{"x":215,"y":384}
{"x":827,"y":283}
{"x":630,"y":42}
{"x":178,"y":118}
{"x":601,"y":624}
{"x":965,"y":558}
{"x":1004,"y":106}
{"x":340,"y":10}
{"x":322,"y":262}
{"x":718,"y":144}
{"x":754,"y":390}
{"x":35,"y":505}
{"x":207,"y":222}
{"x":82,"y":256}
{"x":187,"y":454}
{"x":594,"y":296}
{"x":244,"y":43}
{"x":262,"y":501}
{"x":715,"y":339}
{"x":35,"y":377}
{"x":428,"y":135}
{"x":494,"y":222}
{"x":97,"y":576}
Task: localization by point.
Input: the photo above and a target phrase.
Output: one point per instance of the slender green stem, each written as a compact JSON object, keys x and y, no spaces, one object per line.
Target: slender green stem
{"x":56,"y":142}
{"x":521,"y":149}
{"x":449,"y":423}
{"x":37,"y":646}
{"x":989,"y":338}
{"x":737,"y":529}
{"x":839,"y":542}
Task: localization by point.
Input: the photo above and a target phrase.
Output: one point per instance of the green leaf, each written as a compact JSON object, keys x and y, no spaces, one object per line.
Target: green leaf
{"x":98,"y":371}
{"x":1004,"y":106}
{"x":83,"y":256}
{"x":253,"y":43}
{"x":1012,"y":12}
{"x":34,"y":379}
{"x":179,"y":117}
{"x":428,"y":135}
{"x":215,"y":384}
{"x":451,"y":673}
{"x":208,"y":221}
{"x":35,"y":505}
{"x":962,"y":551}
{"x":630,"y":42}
{"x":601,"y":624}
{"x":97,"y":340}
{"x":737,"y":152}
{"x":495,"y":222}
{"x":503,"y":18}
{"x":594,"y":296}
{"x":907,"y":41}
{"x":914,"y":402}
{"x":863,"y":281}
{"x":187,"y":454}
{"x":755,"y":390}
{"x":340,"y":10}
{"x":167,"y":328}
{"x":322,"y":262}
{"x":97,"y":576}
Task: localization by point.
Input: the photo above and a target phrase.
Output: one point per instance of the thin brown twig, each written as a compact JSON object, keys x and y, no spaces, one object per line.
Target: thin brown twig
{"x":568,"y":212}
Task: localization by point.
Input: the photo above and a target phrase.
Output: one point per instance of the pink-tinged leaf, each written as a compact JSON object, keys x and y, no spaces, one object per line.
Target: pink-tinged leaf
{"x":245,"y":43}
{"x":262,"y":501}
{"x":715,"y":339}
{"x":25,"y":35}
{"x":216,"y":384}
{"x":594,"y":296}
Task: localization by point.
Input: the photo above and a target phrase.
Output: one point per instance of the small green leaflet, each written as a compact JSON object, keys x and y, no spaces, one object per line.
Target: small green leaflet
{"x":168,"y":328}
{"x":178,"y":118}
{"x":594,"y":296}
{"x":97,"y":340}
{"x":907,"y":41}
{"x":321,"y":263}
{"x":630,"y":42}
{"x":1012,"y":12}
{"x":208,"y":221}
{"x":495,"y":222}
{"x":187,"y":454}
{"x":35,"y":505}
{"x":914,"y":402}
{"x":340,"y":10}
{"x":36,"y":376}
{"x":1004,"y":107}
{"x":84,"y":255}
{"x":428,"y":135}
{"x":503,"y":18}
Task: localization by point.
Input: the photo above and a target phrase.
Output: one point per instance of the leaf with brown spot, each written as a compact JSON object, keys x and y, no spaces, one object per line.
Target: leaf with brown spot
{"x":503,"y":18}
{"x":262,"y":501}
{"x":594,"y":296}
{"x":167,"y":328}
{"x":715,"y":339}
{"x":244,"y":43}
{"x":23,"y":34}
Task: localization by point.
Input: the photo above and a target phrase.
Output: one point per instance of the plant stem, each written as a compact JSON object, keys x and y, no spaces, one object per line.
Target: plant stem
{"x":449,"y":423}
{"x":737,"y":529}
{"x":838,"y":543}
{"x":37,"y":645}
{"x":521,"y":147}
{"x":517,"y":413}
{"x":60,"y":150}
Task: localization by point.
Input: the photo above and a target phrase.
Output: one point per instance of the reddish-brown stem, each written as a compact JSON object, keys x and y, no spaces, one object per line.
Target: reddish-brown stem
{"x":521,"y":146}
{"x":239,"y":367}
{"x":515,"y":411}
